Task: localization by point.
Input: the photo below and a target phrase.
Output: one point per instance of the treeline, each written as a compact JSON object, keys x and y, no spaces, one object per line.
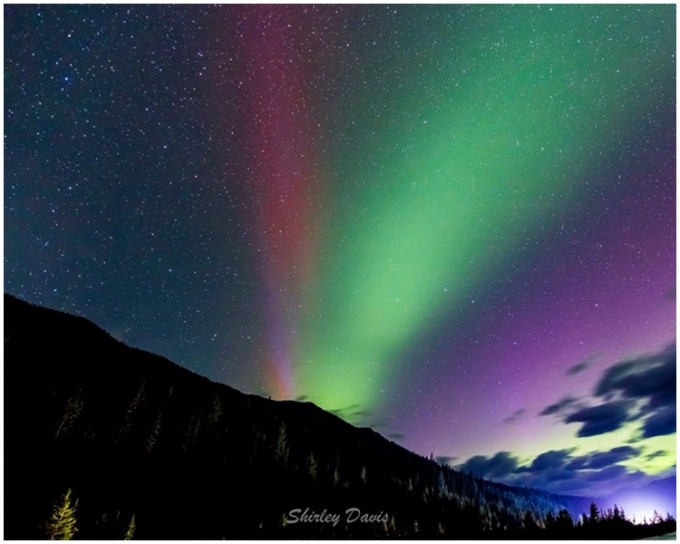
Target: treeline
{"x":611,"y":524}
{"x":107,"y":442}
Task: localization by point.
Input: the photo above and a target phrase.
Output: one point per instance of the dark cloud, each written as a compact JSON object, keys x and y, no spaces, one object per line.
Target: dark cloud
{"x":579,"y":463}
{"x":661,"y":423}
{"x":559,"y":407}
{"x":599,"y":419}
{"x":635,"y":389}
{"x":604,"y":459}
{"x":583,"y":365}
{"x":658,"y":453}
{"x":514,"y":417}
{"x":651,"y":377}
{"x":501,"y":464}
{"x":396,"y":436}
{"x":609,"y":473}
{"x":445,"y":460}
{"x":559,"y":471}
{"x":352,"y":412}
{"x":345,"y":410}
{"x":550,"y":460}
{"x":577,"y":368}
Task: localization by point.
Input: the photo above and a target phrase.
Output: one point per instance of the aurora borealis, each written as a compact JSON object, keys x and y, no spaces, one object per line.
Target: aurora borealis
{"x":452,"y":223}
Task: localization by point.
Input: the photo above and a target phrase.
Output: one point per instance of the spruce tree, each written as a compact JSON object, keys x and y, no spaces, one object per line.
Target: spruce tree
{"x":130,"y":531}
{"x":312,"y":467}
{"x":62,"y":522}
{"x":154,"y":434}
{"x":594,"y":514}
{"x":72,"y":409}
{"x":564,"y":521}
{"x":281,"y":452}
{"x":216,"y":411}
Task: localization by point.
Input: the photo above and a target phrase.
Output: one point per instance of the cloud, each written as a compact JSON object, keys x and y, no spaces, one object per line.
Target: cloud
{"x":599,"y":419}
{"x":661,"y":423}
{"x":560,"y":471}
{"x":658,"y":453}
{"x":396,"y":436}
{"x":550,"y":460}
{"x":651,"y":377}
{"x":514,"y":417}
{"x":351,"y":412}
{"x":583,"y":365}
{"x":604,"y":459}
{"x":501,"y":464}
{"x":579,"y":463}
{"x":558,"y":407}
{"x":642,"y":388}
{"x":609,"y":473}
{"x":445,"y":460}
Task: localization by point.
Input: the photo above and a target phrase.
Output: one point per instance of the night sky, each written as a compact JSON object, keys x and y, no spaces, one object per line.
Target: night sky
{"x":454,"y":224}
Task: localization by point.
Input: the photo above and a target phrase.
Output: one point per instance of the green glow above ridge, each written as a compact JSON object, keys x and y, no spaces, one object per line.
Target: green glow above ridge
{"x":456,"y":181}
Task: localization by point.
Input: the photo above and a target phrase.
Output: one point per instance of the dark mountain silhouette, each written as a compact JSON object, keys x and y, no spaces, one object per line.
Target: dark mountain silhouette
{"x":112,"y":442}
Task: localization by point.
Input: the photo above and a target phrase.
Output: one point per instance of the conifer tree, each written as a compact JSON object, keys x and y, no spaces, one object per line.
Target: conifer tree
{"x":130,"y":531}
{"x":62,"y":522}
{"x":154,"y":434}
{"x":72,"y":409}
{"x":550,"y":522}
{"x":564,"y":521}
{"x":216,"y":411}
{"x":191,"y":435}
{"x":281,"y":452}
{"x":312,"y":467}
{"x":131,"y":413}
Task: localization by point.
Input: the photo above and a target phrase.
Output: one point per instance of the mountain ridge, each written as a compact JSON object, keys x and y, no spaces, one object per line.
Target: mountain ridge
{"x":162,"y":434}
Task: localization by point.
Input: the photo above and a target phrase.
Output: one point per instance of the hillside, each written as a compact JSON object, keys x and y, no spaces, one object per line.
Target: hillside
{"x":150,"y":449}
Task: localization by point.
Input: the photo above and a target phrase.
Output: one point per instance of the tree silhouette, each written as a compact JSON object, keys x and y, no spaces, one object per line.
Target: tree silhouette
{"x":72,"y":409}
{"x":130,"y":416}
{"x":216,"y":411}
{"x":564,"y":522}
{"x":312,"y":467}
{"x":530,"y":523}
{"x":550,"y":522}
{"x":281,"y":453}
{"x":150,"y":443}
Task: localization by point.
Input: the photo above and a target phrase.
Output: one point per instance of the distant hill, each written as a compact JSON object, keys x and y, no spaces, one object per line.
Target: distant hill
{"x":660,"y":493}
{"x":151,"y":450}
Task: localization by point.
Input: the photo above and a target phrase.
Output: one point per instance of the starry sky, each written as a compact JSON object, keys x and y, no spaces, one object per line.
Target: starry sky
{"x":452,"y":223}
